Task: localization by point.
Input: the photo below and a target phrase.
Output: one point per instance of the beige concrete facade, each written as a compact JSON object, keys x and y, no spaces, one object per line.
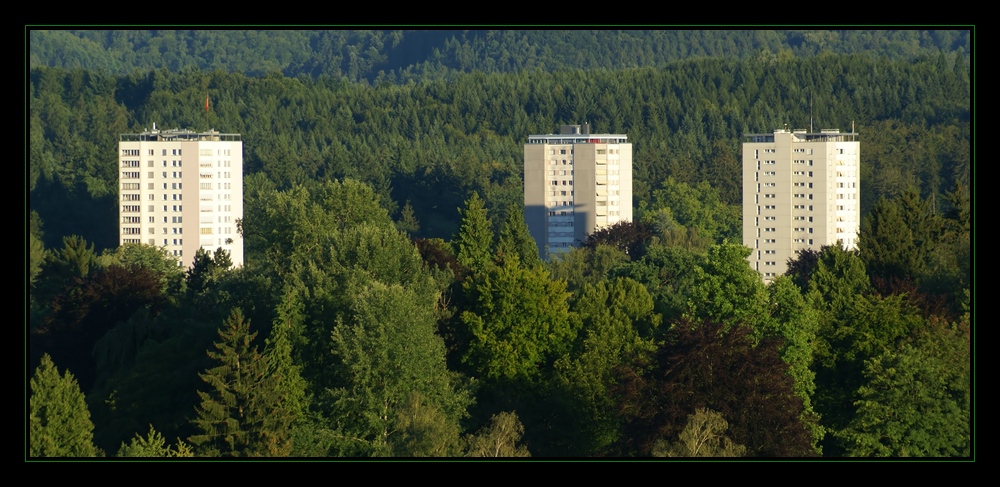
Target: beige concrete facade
{"x":575,"y":182}
{"x":800,"y":191}
{"x":181,"y":190}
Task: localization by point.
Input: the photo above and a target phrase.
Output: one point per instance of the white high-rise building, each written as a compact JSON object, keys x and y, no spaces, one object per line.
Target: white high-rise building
{"x":181,"y":190}
{"x":800,"y":191}
{"x":575,"y":182}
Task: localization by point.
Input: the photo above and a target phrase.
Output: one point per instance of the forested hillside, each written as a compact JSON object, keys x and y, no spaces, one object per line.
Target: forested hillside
{"x":392,"y":302}
{"x":402,"y":55}
{"x":449,"y":138}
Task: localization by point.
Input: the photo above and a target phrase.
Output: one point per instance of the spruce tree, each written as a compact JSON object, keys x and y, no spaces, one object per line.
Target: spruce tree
{"x":60,"y":423}
{"x":244,"y":414}
{"x":515,"y":239}
{"x":475,"y":238}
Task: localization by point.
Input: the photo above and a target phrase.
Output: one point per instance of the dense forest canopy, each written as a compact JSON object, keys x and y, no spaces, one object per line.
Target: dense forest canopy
{"x":450,"y":138}
{"x":391,"y":300}
{"x":402,"y":55}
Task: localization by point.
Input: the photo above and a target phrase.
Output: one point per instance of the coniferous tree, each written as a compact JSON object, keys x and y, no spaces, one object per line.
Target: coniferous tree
{"x":153,"y":445}
{"x":515,"y":239}
{"x":407,"y":220}
{"x":59,"y":420}
{"x":887,"y":244}
{"x":475,"y":238}
{"x":244,"y":414}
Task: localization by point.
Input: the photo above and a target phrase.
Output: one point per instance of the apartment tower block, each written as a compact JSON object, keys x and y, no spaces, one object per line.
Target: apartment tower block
{"x":575,"y":183}
{"x":800,"y":191}
{"x":181,"y":190}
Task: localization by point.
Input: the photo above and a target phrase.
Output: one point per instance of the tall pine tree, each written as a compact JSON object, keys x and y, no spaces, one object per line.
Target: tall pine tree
{"x":515,"y":239}
{"x":475,"y":238}
{"x":244,"y":414}
{"x":59,"y":420}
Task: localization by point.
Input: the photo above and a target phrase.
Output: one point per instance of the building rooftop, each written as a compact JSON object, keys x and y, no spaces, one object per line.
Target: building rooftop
{"x":802,"y":135}
{"x":179,"y":135}
{"x":577,"y":134}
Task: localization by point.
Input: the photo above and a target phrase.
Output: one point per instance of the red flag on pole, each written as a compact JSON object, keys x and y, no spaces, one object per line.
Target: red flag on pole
{"x":206,"y":103}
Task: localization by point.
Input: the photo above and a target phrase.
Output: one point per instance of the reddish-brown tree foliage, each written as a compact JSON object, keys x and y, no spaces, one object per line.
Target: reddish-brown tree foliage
{"x":87,"y":308}
{"x":707,"y":366}
{"x":629,"y":237}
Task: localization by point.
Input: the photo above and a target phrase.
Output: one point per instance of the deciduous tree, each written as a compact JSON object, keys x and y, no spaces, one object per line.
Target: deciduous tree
{"x":518,"y":322}
{"x":703,"y":436}
{"x":392,"y":381}
{"x":701,"y":365}
{"x":500,"y":438}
